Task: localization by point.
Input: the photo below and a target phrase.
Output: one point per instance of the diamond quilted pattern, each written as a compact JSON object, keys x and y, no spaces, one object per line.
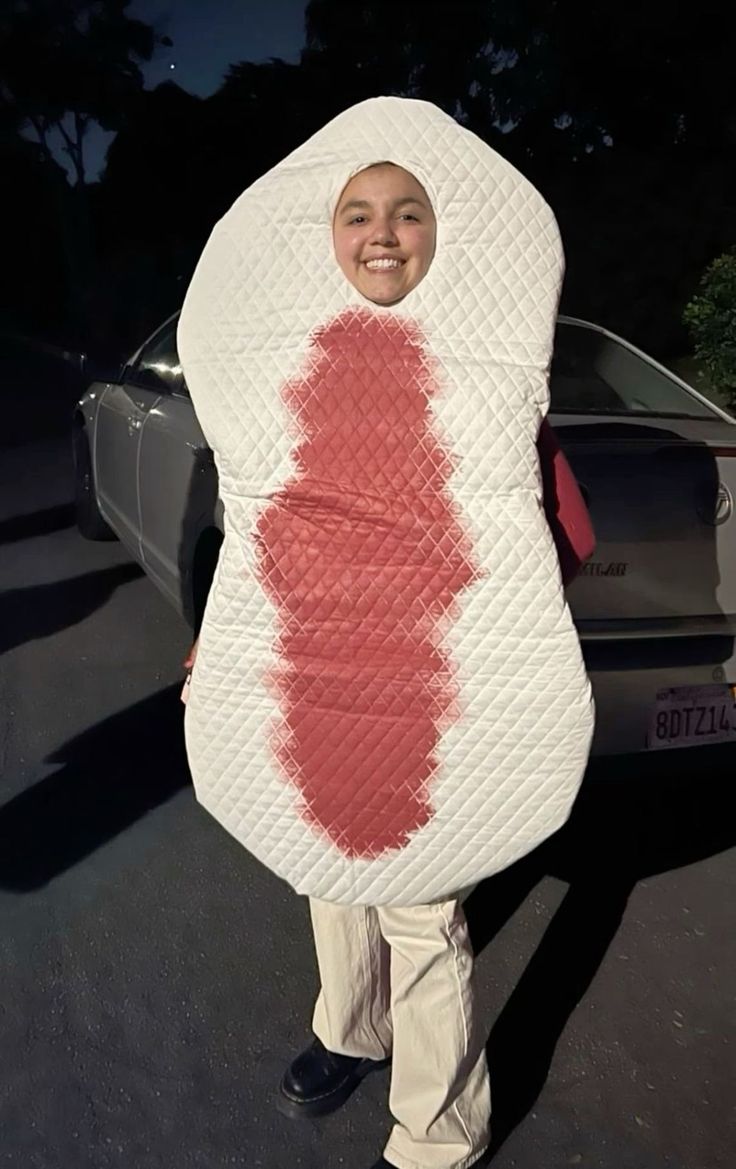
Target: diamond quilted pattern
{"x":389,"y":701}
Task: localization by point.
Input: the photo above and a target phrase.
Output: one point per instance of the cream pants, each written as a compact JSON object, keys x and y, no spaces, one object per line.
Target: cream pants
{"x":398,"y":981}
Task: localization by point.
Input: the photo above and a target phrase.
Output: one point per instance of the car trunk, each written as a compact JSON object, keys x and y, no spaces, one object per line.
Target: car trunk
{"x":660,"y":492}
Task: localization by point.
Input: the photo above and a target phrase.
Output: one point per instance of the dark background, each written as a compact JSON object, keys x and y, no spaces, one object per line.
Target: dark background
{"x":137,"y":1028}
{"x":624,"y":116}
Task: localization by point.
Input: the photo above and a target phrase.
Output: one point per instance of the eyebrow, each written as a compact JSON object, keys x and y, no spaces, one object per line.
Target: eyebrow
{"x":361,"y":204}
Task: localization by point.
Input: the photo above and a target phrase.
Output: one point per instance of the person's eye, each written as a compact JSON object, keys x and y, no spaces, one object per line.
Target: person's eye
{"x":356,"y":219}
{"x":408,"y":215}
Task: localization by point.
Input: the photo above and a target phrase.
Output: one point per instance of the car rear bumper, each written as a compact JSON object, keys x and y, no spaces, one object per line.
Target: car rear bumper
{"x":627,"y":675}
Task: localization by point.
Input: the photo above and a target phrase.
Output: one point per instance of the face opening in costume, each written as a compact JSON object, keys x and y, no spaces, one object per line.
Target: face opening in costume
{"x":384,"y":232}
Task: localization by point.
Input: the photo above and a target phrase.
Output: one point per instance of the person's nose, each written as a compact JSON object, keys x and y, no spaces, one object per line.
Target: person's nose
{"x":384,"y":233}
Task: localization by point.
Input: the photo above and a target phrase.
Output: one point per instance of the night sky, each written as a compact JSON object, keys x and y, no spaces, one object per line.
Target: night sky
{"x":208,"y":36}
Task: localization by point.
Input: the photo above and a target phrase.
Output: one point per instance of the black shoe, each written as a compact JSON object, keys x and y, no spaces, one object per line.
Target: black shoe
{"x":319,"y":1081}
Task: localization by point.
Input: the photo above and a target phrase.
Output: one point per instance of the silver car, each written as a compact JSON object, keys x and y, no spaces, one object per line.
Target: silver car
{"x":656,"y":605}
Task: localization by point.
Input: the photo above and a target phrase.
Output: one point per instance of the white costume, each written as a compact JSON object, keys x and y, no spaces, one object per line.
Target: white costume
{"x":389,"y":701}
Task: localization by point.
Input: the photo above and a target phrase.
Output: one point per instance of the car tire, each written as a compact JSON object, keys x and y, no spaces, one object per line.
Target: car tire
{"x":89,"y":519}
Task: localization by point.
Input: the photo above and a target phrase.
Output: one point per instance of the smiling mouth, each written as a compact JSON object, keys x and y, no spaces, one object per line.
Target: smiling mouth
{"x":384,"y":265}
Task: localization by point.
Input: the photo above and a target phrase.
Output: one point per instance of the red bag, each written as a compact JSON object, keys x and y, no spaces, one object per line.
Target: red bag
{"x":567,"y":514}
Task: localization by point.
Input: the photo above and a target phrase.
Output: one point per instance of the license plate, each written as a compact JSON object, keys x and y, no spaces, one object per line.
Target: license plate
{"x":685,"y":716}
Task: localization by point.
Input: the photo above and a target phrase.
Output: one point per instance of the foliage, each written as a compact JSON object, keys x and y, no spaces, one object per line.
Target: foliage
{"x":567,"y":79}
{"x":711,"y":318}
{"x":623,"y":116}
{"x":64,"y":63}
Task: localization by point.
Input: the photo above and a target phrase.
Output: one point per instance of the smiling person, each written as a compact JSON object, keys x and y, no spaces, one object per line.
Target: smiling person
{"x":372,"y":712}
{"x":396,"y":982}
{"x":384,"y":233}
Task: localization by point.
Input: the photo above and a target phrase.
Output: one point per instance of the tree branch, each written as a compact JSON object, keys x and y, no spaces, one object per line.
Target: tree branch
{"x":41,"y":128}
{"x":69,"y":148}
{"x":80,"y":124}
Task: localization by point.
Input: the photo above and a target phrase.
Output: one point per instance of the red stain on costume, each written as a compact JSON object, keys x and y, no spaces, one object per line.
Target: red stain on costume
{"x":363,"y":555}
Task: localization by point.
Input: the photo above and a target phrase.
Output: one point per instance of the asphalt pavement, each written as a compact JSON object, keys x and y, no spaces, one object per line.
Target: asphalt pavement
{"x":156,"y":979}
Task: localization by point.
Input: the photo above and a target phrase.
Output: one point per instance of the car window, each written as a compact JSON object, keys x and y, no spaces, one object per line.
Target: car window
{"x":594,"y":374}
{"x":158,"y":367}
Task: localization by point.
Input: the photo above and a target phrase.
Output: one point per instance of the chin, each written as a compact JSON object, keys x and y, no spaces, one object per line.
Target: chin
{"x":385,"y":299}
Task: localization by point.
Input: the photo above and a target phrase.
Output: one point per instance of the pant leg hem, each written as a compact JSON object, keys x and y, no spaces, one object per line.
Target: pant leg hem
{"x":336,"y":1050}
{"x":400,"y":1162}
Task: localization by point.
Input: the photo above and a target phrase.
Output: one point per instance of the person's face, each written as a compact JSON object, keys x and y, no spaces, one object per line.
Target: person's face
{"x":384,"y":233}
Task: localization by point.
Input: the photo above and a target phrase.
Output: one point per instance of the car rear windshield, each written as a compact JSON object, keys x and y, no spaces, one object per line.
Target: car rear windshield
{"x":594,"y":374}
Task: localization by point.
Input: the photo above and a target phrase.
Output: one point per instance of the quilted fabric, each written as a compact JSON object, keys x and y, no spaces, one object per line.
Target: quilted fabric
{"x":389,"y":701}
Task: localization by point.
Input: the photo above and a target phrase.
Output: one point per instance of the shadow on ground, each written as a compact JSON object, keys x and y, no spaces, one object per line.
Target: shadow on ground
{"x":40,"y":610}
{"x":668,"y":812}
{"x":38,"y":390}
{"x":37,"y":523}
{"x":110,"y":776}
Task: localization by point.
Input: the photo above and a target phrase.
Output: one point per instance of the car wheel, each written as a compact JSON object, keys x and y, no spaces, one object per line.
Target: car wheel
{"x":89,"y":520}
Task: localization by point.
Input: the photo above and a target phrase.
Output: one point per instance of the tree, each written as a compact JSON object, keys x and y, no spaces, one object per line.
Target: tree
{"x":65,"y":63}
{"x":33,"y":287}
{"x":623,"y":115}
{"x":434,"y":50}
{"x":579,"y":74}
{"x":711,"y":319}
{"x":150,"y":222}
